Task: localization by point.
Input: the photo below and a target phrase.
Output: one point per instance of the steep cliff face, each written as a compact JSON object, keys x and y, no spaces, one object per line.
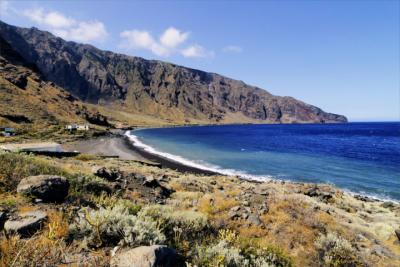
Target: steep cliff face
{"x":154,"y":87}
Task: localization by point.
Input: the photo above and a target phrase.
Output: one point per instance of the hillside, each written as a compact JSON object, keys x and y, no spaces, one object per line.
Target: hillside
{"x":133,"y":85}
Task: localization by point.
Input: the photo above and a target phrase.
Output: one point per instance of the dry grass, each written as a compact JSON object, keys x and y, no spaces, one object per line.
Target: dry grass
{"x":16,"y":166}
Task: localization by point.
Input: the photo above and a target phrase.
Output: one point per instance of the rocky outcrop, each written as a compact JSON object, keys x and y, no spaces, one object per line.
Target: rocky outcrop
{"x":108,"y":174}
{"x":25,"y":224}
{"x":48,"y":188}
{"x":146,"y":256}
{"x":153,"y":87}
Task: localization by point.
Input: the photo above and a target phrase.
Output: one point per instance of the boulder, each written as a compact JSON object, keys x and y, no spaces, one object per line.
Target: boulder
{"x":46,"y":187}
{"x":324,"y":194}
{"x":25,"y":224}
{"x":146,"y":256}
{"x":98,"y":188}
{"x":108,"y":174}
{"x":254,"y":220}
{"x":159,"y":189}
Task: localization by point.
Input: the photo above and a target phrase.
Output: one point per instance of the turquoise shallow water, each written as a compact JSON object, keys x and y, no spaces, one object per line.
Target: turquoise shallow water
{"x":360,"y":157}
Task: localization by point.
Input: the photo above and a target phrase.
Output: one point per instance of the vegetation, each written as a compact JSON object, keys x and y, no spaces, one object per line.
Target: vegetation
{"x":196,"y":220}
{"x":16,"y":166}
{"x":336,"y":251}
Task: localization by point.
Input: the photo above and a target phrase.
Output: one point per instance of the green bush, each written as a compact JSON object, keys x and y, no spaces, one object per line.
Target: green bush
{"x":107,"y":201}
{"x":109,"y":226}
{"x":176,"y":224}
{"x":336,"y":251}
{"x":226,"y":251}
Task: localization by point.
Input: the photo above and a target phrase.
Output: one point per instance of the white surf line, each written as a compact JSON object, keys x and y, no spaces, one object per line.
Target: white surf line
{"x":231,"y":172}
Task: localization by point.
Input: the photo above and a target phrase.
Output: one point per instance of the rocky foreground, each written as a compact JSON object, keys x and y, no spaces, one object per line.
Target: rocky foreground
{"x":89,"y":211}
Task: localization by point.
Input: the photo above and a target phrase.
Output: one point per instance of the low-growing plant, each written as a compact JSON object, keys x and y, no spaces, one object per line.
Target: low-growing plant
{"x":8,"y":201}
{"x":220,"y":254}
{"x":227,"y":251}
{"x":336,"y":251}
{"x":188,"y":223}
{"x":86,"y":157}
{"x":107,"y":201}
{"x":109,"y":226}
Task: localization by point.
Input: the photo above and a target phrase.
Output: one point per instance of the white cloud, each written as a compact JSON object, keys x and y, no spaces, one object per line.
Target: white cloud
{"x":136,"y":39}
{"x":67,"y":27}
{"x":173,"y":37}
{"x":52,"y":19}
{"x":196,"y":51}
{"x":232,"y":49}
{"x":169,"y":43}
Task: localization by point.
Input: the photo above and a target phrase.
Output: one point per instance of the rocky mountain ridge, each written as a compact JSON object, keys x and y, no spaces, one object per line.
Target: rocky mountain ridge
{"x":168,"y":91}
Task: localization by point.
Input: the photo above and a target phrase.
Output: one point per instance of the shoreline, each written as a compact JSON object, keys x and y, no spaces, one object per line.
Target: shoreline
{"x":123,"y":145}
{"x":165,"y":162}
{"x":181,"y":167}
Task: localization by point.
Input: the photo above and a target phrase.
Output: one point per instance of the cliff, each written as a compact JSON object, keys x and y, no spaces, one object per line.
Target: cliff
{"x":170,"y":92}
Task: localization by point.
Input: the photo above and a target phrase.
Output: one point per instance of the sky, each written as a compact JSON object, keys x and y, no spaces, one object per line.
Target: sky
{"x":342,"y":56}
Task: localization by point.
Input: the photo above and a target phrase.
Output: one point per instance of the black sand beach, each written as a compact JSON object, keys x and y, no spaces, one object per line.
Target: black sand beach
{"x":120,"y":145}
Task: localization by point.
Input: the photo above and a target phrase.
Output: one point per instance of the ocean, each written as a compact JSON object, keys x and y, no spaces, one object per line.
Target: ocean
{"x":363,"y":158}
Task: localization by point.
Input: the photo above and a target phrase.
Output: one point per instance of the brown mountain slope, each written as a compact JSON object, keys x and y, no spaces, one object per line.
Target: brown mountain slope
{"x":167,"y":91}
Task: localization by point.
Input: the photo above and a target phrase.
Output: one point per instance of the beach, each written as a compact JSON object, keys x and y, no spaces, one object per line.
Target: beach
{"x":120,"y":146}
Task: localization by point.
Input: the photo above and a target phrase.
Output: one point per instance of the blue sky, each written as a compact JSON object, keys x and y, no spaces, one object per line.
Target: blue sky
{"x":342,"y":56}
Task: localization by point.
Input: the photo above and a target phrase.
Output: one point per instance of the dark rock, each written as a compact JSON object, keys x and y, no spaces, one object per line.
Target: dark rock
{"x":25,"y":224}
{"x":323,"y":194}
{"x":397,"y":232}
{"x":146,"y":256}
{"x":18,"y":79}
{"x":160,"y":190}
{"x":45,"y":187}
{"x":98,"y":188}
{"x":364,"y":198}
{"x":387,"y":205}
{"x":108,"y":174}
{"x":3,"y":218}
{"x":151,"y":182}
{"x":97,"y":118}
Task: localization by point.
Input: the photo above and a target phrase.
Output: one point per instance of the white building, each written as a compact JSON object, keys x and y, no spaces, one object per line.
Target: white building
{"x":77,"y":127}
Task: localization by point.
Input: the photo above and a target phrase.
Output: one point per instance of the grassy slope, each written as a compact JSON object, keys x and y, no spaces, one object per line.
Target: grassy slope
{"x":291,"y":226}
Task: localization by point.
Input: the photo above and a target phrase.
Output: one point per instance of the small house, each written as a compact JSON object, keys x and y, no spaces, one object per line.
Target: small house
{"x":83,"y":127}
{"x":77,"y":127}
{"x":7,"y":131}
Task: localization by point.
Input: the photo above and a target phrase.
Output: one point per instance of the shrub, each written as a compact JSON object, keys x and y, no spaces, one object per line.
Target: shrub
{"x":227,"y":252}
{"x":109,"y":226}
{"x":219,"y":254}
{"x":81,"y":183}
{"x":336,"y":251}
{"x":178,"y":224}
{"x":106,"y":201}
{"x":86,"y":157}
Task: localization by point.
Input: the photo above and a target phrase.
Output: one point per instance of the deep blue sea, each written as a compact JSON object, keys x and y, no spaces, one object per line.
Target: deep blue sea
{"x":359,"y":157}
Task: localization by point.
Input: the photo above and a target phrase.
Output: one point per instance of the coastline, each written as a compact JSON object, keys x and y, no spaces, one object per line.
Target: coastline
{"x":165,"y":162}
{"x":182,"y":167}
{"x":123,"y":145}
